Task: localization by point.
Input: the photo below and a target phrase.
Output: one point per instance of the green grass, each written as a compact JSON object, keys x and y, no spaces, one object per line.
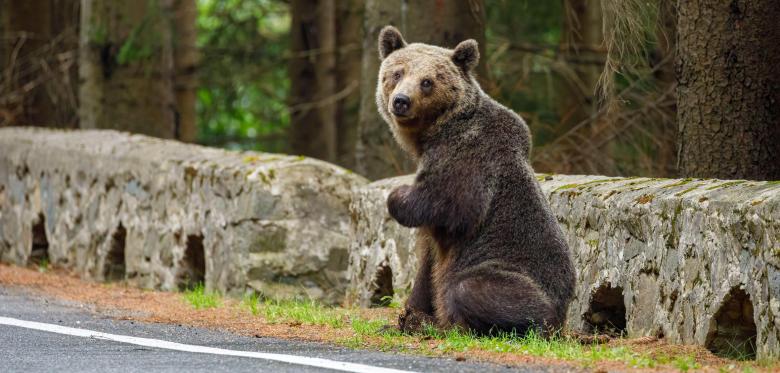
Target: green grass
{"x":365,"y":327}
{"x":200,"y":298}
{"x":740,"y":351}
{"x":532,"y":344}
{"x":535,"y":345}
{"x":252,"y":302}
{"x":304,"y":312}
{"x":432,"y":341}
{"x":391,"y":301}
{"x":375,"y":333}
{"x":43,"y":266}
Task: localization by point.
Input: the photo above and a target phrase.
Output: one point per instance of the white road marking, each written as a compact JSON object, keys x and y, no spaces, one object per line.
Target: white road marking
{"x":157,"y":343}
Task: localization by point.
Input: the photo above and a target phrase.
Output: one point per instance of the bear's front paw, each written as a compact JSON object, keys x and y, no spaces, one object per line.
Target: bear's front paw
{"x":398,"y":205}
{"x":411,"y":321}
{"x":400,"y":193}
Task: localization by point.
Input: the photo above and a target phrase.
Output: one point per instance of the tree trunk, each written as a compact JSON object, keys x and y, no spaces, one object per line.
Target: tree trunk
{"x":582,"y":41}
{"x":38,"y":62}
{"x":350,"y":34}
{"x":663,"y":60}
{"x":308,"y":133}
{"x":126,"y":67}
{"x":185,"y":58}
{"x":729,"y":89}
{"x":444,"y":23}
{"x":323,"y":78}
{"x":305,"y":122}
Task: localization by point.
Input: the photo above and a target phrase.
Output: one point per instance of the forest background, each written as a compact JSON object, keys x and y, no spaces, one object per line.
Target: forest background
{"x":615,"y":87}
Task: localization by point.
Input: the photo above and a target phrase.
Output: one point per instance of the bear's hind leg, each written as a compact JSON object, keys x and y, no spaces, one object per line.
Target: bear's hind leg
{"x":418,"y":310}
{"x":501,"y":301}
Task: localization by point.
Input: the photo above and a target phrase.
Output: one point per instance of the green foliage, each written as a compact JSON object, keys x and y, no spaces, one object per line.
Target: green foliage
{"x":141,"y":43}
{"x":98,"y":34}
{"x":630,"y":129}
{"x":200,"y":298}
{"x":524,"y":20}
{"x":143,"y":40}
{"x":244,"y":83}
{"x":525,"y":79}
{"x":243,"y":74}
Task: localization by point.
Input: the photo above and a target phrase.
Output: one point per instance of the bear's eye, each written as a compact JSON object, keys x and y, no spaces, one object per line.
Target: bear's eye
{"x":426,"y":84}
{"x":397,"y":76}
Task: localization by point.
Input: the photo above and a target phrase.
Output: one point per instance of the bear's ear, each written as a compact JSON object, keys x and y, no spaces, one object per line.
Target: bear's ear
{"x":390,"y":40}
{"x":466,"y":55}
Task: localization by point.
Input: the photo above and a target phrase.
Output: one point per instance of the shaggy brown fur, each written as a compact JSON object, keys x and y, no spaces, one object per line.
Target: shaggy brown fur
{"x":493,"y":256}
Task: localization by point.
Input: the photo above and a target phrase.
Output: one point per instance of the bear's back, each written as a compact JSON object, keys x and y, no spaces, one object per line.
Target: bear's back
{"x":519,"y":229}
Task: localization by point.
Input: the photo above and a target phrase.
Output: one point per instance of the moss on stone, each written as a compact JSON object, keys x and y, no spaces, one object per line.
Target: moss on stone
{"x":639,"y":182}
{"x":596,"y":182}
{"x":264,"y":177}
{"x":727,"y":184}
{"x":250,"y":159}
{"x":600,"y":181}
{"x":684,"y":192}
{"x":567,"y":186}
{"x":679,"y":183}
{"x":671,"y":240}
{"x":645,"y":199}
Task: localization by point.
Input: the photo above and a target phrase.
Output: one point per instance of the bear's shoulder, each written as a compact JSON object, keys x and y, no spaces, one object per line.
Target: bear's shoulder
{"x":502,"y":125}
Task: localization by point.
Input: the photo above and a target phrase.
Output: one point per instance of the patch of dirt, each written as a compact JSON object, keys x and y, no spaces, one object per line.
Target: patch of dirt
{"x":655,"y":347}
{"x":120,"y":301}
{"x":128,"y":303}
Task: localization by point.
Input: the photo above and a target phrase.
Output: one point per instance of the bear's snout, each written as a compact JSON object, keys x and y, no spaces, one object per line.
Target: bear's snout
{"x":401,"y":105}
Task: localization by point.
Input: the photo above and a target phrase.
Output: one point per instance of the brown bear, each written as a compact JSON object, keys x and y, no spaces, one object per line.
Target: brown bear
{"x":493,"y":258}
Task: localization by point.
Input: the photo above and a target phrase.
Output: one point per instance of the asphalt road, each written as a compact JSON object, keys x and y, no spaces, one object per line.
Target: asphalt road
{"x":27,"y":350}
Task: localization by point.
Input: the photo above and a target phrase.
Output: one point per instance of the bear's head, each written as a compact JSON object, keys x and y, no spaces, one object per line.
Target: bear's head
{"x":422,"y":85}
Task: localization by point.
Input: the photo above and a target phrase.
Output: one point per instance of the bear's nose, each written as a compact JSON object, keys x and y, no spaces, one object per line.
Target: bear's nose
{"x":401,"y":104}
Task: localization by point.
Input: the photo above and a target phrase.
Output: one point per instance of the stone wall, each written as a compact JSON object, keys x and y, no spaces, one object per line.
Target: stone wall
{"x":695,"y":261}
{"x":164,"y":214}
